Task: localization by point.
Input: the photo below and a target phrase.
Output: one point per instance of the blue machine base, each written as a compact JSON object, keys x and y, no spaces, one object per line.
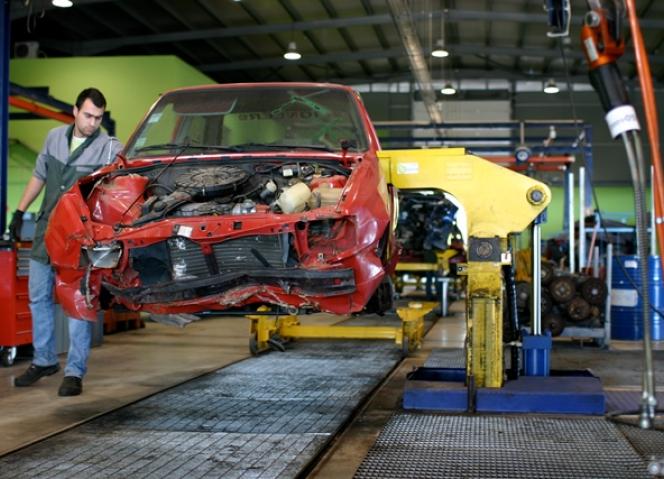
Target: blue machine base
{"x":563,"y":392}
{"x":438,"y":389}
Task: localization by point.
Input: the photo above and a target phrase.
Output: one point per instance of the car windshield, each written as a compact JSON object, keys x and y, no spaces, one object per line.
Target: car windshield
{"x":251,"y":119}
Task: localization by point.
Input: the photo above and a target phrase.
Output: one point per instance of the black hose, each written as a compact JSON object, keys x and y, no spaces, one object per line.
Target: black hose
{"x":512,"y":326}
{"x":632,"y":144}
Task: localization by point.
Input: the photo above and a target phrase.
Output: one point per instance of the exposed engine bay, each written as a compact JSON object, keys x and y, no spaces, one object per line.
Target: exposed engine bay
{"x":200,"y":189}
{"x":426,"y":223}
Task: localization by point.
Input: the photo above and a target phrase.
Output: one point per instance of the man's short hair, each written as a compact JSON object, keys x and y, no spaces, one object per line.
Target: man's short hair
{"x":95,"y":97}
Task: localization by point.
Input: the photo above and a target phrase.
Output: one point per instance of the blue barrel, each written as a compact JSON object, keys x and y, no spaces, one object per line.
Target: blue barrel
{"x":626,"y":304}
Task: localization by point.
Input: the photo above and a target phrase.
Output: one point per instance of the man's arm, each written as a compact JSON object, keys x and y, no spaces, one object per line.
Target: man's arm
{"x":32,"y":190}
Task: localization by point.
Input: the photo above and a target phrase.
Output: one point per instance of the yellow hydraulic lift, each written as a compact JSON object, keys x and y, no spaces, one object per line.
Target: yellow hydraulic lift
{"x":264,"y":328}
{"x":497,"y":202}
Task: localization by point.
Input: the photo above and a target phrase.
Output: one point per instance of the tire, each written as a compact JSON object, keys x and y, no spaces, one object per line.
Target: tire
{"x":7,"y":356}
{"x":276,"y":344}
{"x":554,"y":323}
{"x":547,"y":272}
{"x":594,"y":291}
{"x":578,"y":309}
{"x":562,"y":289}
{"x":546,"y":303}
{"x":522,"y":295}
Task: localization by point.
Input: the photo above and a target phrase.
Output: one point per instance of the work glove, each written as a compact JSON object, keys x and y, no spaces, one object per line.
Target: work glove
{"x":15,"y":225}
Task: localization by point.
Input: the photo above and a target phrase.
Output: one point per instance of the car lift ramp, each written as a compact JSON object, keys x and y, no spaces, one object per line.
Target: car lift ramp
{"x":266,"y":417}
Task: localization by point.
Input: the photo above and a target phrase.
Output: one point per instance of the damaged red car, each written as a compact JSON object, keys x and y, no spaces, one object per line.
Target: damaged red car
{"x":230,"y":197}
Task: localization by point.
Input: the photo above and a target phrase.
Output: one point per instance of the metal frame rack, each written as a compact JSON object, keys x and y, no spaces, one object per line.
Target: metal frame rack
{"x":525,"y":146}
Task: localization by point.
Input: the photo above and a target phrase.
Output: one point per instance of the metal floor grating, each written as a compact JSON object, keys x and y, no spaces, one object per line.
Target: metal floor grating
{"x":511,"y":447}
{"x":617,"y":401}
{"x":446,"y":358}
{"x":648,"y":443}
{"x":263,"y":417}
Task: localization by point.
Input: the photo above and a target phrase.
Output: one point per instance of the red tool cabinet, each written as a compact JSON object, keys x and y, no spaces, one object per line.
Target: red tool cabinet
{"x":15,"y":318}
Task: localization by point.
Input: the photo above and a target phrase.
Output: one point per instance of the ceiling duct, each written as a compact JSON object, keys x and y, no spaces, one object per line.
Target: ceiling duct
{"x":418,"y":65}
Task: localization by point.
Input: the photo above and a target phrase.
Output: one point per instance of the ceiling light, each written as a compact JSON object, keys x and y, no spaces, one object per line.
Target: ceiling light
{"x":292,"y":53}
{"x":62,"y":3}
{"x":448,"y":89}
{"x":440,"y":51}
{"x":551,"y":87}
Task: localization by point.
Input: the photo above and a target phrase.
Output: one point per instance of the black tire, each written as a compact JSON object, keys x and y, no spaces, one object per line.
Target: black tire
{"x":562,"y":289}
{"x":276,"y":344}
{"x":554,"y":323}
{"x":522,"y":295}
{"x":7,"y":356}
{"x":547,"y":272}
{"x":594,"y":291}
{"x":546,"y":303}
{"x":578,"y":309}
{"x":382,"y":300}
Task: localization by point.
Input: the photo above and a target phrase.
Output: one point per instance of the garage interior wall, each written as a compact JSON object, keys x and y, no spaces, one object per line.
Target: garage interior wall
{"x":611,"y":175}
{"x":130,"y":84}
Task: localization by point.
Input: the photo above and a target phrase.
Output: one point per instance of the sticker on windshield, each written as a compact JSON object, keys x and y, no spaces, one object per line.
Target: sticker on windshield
{"x":154,"y":118}
{"x":140,"y":142}
{"x":278,"y":115}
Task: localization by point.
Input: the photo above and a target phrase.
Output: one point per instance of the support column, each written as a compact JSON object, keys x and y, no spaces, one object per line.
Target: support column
{"x":4,"y":109}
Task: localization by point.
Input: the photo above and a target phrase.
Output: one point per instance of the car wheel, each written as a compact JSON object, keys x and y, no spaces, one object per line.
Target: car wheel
{"x":277,"y":344}
{"x":7,"y":356}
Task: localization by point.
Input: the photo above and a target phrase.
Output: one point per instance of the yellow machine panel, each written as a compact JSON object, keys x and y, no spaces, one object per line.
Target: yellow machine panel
{"x":497,"y":202}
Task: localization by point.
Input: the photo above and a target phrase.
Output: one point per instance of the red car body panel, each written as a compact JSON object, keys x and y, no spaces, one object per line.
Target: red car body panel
{"x":335,"y":255}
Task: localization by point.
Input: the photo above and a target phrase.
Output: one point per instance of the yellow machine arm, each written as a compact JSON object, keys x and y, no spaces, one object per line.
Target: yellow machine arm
{"x":497,"y":202}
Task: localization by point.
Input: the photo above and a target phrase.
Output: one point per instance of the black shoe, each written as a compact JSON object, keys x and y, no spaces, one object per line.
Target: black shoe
{"x":71,"y":386}
{"x":33,"y":373}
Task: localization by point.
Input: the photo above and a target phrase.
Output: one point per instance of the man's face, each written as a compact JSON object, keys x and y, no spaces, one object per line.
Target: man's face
{"x":87,"y":119}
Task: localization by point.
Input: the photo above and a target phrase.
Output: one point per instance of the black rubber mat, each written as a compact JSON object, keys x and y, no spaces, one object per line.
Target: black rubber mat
{"x":262,"y":417}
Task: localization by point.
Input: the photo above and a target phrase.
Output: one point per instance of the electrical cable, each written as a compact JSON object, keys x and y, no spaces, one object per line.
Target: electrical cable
{"x":593,"y":190}
{"x":153,"y":181}
{"x":632,"y":143}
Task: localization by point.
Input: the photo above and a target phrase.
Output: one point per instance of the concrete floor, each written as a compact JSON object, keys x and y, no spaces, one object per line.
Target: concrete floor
{"x":126,"y":367}
{"x":135,"y":364}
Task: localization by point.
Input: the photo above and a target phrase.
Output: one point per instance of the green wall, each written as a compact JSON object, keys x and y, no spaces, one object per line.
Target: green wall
{"x":616,"y":203}
{"x":20,"y":165}
{"x":130,"y":84}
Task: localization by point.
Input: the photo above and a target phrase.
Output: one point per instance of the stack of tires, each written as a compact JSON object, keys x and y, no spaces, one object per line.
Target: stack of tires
{"x":566,"y":300}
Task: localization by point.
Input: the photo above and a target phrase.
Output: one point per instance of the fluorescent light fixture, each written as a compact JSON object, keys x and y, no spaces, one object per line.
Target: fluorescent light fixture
{"x":62,"y":3}
{"x":439,"y":51}
{"x":292,"y":53}
{"x":448,"y":89}
{"x":550,"y":87}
